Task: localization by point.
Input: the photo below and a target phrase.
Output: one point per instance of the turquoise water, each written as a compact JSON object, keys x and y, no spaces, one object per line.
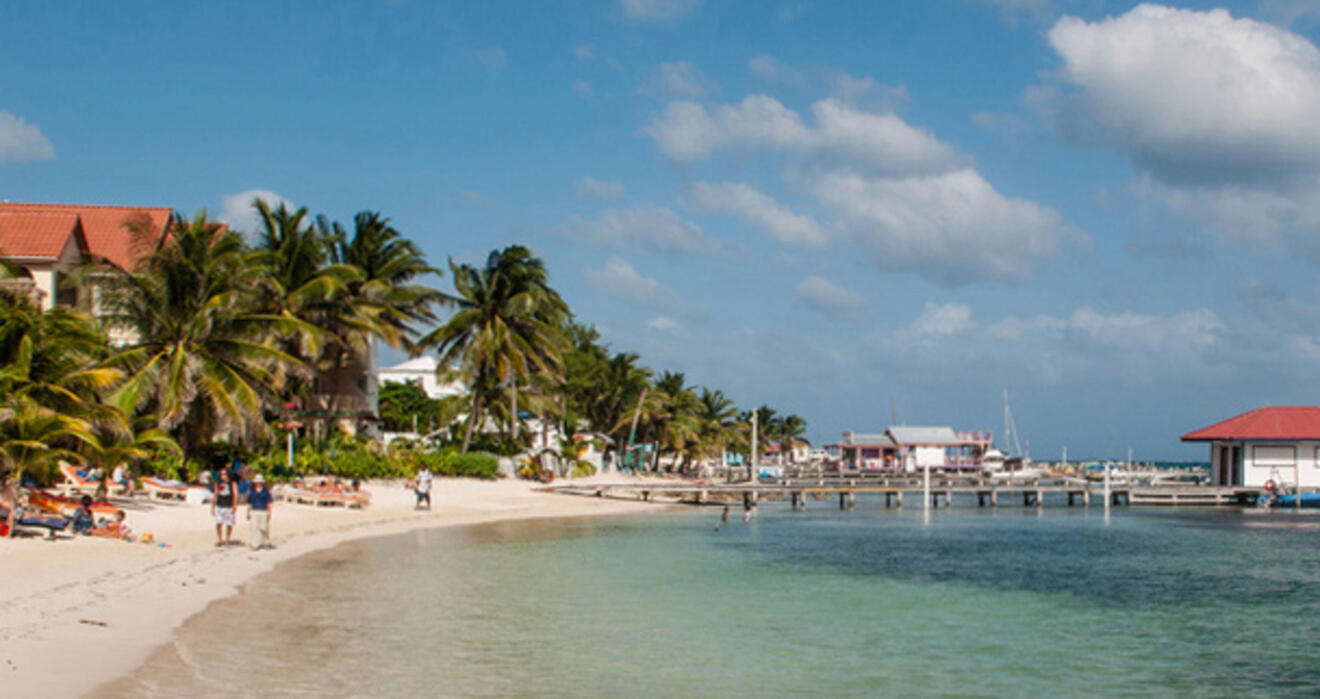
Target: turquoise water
{"x":871,"y":602}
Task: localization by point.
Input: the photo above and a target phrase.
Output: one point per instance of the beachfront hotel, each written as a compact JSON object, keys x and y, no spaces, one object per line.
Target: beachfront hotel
{"x":903,"y":448}
{"x":46,"y":243}
{"x":1280,"y":444}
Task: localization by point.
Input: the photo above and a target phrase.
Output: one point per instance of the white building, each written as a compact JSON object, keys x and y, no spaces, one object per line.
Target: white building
{"x":422,"y":371}
{"x":1280,"y":444}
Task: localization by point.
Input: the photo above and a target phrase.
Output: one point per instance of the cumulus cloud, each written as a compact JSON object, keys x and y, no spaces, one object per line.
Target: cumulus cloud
{"x":236,"y":209}
{"x":953,"y":227}
{"x":582,"y":89}
{"x":657,"y":10}
{"x":688,"y":132}
{"x":826,"y":296}
{"x":584,"y":52}
{"x":645,"y":227}
{"x":1190,"y":96}
{"x":756,"y":207}
{"x":1077,"y":347}
{"x":1215,"y":113}
{"x":592,"y":188}
{"x":619,"y":278}
{"x":678,"y":79}
{"x":21,"y":141}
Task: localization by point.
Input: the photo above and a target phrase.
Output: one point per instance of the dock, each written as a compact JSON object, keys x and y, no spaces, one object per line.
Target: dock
{"x":944,"y":492}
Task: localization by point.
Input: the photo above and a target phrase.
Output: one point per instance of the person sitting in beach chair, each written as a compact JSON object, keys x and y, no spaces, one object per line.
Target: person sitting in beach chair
{"x":124,"y":478}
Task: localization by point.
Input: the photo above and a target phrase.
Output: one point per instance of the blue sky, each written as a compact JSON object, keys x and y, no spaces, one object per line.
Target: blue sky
{"x":836,"y":208}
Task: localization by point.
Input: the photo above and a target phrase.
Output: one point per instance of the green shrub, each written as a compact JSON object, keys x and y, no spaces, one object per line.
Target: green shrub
{"x":582,"y":469}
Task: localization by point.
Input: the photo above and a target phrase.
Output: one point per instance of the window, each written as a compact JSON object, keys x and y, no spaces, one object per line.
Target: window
{"x":1274,"y":456}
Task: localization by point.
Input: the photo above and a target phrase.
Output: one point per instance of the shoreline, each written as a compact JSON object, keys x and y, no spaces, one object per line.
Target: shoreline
{"x":102,"y":606}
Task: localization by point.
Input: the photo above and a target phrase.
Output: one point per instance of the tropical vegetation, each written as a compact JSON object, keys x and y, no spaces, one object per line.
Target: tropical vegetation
{"x":221,"y":342}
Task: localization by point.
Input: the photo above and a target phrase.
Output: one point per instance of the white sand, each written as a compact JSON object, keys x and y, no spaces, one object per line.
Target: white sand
{"x":135,"y":595}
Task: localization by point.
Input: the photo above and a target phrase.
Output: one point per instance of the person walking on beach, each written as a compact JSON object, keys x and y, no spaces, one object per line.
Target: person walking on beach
{"x":222,"y":507}
{"x":259,"y":507}
{"x":423,"y":488}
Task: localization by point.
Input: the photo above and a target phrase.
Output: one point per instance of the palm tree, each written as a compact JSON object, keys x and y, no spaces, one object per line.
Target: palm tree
{"x":506,"y":327}
{"x":792,"y":429}
{"x":204,"y":357}
{"x":390,"y":265}
{"x":113,"y":447}
{"x":35,"y":438}
{"x":719,"y":428}
{"x":379,"y":298}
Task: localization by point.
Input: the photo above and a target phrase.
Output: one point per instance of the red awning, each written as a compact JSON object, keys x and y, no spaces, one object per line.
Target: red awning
{"x":1284,"y":422}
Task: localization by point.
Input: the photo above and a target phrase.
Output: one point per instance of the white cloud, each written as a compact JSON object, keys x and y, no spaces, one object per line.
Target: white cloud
{"x":582,"y":89}
{"x":688,"y":132}
{"x":753,"y":205}
{"x":493,"y":59}
{"x":236,"y":209}
{"x":657,"y":10}
{"x":1186,"y":334}
{"x":644,"y":227}
{"x":865,"y":90}
{"x":824,"y":295}
{"x":619,"y":278}
{"x":592,"y":188}
{"x":942,"y":320}
{"x":664,"y":323}
{"x":21,"y":141}
{"x":584,"y":52}
{"x":1215,"y":112}
{"x":946,"y":344}
{"x":678,"y":79}
{"x":1191,"y":96}
{"x":767,"y":67}
{"x":953,"y":227}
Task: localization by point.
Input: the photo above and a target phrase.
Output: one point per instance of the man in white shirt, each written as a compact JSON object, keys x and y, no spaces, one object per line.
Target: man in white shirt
{"x":423,"y":488}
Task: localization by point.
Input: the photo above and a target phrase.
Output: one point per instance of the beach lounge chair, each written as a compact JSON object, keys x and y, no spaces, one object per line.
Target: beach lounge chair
{"x":164,"y":489}
{"x":76,"y":483}
{"x":51,"y":523}
{"x":64,"y":506}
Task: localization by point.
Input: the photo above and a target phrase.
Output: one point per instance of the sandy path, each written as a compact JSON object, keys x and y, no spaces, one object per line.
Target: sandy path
{"x":78,"y":612}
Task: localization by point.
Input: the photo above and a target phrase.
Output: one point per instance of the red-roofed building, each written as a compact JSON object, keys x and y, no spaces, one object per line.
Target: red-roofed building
{"x":1281,"y":444}
{"x":42,"y":246}
{"x":119,"y":235}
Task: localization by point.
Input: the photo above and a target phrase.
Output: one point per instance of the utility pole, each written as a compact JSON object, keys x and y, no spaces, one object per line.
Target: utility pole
{"x":751,"y":461}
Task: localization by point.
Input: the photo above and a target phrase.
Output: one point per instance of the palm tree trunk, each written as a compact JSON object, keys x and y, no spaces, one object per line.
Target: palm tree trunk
{"x":473,"y":415}
{"x":513,"y":413}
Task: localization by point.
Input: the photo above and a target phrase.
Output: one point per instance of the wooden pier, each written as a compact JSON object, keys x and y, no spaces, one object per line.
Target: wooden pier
{"x":942,"y":493}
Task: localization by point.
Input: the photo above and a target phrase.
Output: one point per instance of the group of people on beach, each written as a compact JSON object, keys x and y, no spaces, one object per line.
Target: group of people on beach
{"x":230,"y":490}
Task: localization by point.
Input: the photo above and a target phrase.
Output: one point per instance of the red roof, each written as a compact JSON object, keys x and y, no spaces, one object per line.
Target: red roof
{"x":120,"y":234}
{"x":41,"y":235}
{"x":1285,"y":422}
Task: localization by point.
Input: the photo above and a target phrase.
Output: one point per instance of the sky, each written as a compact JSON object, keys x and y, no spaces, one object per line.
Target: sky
{"x":860,"y":212}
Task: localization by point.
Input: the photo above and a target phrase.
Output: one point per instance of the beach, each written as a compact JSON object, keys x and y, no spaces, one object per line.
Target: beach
{"x":76,"y":613}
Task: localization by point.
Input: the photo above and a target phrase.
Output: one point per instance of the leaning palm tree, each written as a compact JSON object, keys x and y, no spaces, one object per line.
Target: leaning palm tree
{"x":505,"y":328}
{"x":203,"y":356}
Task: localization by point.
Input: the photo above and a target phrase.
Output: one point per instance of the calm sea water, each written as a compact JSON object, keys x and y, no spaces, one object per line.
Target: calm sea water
{"x":871,"y":602}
